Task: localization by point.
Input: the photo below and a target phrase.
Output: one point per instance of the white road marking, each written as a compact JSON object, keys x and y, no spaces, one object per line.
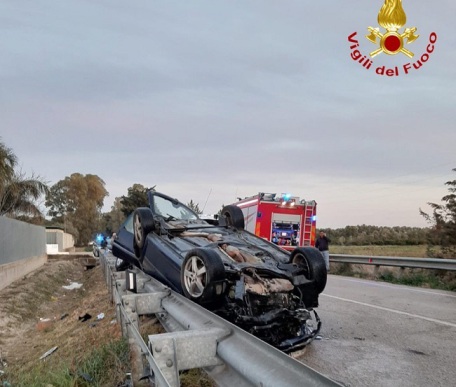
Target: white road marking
{"x":392,"y":310}
{"x":394,"y":286}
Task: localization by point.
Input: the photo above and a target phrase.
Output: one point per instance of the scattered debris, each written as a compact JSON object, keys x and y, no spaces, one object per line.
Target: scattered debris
{"x":64,"y":316}
{"x":45,"y":355}
{"x":359,"y":338}
{"x":93,"y":325}
{"x":100,"y":316}
{"x":85,"y":317}
{"x":44,"y":324}
{"x":73,"y":285}
{"x":318,"y":337}
{"x":128,"y":380}
{"x":86,"y":377}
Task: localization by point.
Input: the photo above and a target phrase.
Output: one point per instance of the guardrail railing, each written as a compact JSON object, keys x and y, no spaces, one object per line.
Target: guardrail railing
{"x":197,"y":338}
{"x":423,"y":263}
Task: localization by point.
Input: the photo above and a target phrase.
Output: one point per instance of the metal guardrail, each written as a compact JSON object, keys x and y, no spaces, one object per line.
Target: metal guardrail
{"x":423,"y":263}
{"x":197,"y":338}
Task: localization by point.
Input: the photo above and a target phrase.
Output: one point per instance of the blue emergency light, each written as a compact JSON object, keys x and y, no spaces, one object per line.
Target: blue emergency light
{"x":286,"y":197}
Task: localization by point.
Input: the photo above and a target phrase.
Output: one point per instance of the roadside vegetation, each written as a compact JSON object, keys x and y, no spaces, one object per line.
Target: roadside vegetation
{"x":419,"y":251}
{"x":19,"y":193}
{"x":103,"y":366}
{"x":41,"y":315}
{"x":433,"y":279}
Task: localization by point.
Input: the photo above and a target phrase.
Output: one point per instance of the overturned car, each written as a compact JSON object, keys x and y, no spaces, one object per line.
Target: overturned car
{"x":249,"y":281}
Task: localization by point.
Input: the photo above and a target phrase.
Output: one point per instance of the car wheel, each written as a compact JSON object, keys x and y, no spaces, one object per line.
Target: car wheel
{"x":136,"y":249}
{"x":234,"y":216}
{"x":143,"y":224}
{"x":202,"y":276}
{"x":313,"y":263}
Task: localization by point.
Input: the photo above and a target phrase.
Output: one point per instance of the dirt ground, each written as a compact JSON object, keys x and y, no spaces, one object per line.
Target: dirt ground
{"x":38,"y":314}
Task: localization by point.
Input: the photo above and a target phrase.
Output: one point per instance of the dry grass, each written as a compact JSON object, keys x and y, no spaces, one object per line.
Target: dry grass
{"x":387,"y":251}
{"x":435,"y":279}
{"x":81,"y":345}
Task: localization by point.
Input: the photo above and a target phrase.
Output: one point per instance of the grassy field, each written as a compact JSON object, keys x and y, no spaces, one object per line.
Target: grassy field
{"x":434,"y":279}
{"x":387,"y":251}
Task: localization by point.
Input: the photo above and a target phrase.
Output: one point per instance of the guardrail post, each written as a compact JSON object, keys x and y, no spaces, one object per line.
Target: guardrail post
{"x":129,"y":302}
{"x":177,"y":351}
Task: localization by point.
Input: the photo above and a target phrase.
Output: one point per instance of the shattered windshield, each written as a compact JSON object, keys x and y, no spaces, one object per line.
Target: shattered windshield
{"x":172,"y":209}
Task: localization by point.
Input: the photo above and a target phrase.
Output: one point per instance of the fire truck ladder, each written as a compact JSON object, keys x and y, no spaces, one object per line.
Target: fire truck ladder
{"x":309,"y":211}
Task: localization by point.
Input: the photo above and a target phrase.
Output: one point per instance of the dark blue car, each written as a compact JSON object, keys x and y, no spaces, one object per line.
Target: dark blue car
{"x":249,"y":281}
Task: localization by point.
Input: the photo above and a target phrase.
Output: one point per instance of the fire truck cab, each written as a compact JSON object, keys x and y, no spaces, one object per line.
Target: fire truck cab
{"x":282,"y":219}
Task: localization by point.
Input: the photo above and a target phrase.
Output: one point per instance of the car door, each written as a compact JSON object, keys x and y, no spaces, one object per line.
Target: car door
{"x":122,"y":247}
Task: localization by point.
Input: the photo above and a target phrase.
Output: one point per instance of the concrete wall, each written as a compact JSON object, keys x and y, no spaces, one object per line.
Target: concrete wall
{"x":64,"y":240}
{"x":11,"y":272}
{"x":22,"y":249}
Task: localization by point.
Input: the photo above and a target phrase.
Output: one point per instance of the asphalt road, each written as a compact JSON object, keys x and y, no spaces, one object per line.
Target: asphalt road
{"x":379,"y":334}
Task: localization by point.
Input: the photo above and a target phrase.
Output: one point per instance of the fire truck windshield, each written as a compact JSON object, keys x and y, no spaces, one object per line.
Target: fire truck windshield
{"x":285,"y":233}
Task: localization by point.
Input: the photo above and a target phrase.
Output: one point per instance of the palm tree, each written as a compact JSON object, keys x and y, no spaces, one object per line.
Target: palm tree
{"x":18,"y":193}
{"x":8,"y":161}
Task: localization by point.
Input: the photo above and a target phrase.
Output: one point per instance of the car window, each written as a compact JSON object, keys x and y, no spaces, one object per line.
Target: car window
{"x":128,"y":224}
{"x":172,"y":210}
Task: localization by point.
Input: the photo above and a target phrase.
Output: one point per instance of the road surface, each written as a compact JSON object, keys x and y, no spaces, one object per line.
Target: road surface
{"x":379,"y":334}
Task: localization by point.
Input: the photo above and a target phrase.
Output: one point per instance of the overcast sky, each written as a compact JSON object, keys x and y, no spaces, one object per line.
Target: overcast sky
{"x":213,"y":100}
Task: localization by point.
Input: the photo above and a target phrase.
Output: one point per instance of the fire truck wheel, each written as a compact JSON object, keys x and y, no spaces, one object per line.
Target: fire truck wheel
{"x":234,"y":216}
{"x":313,"y":263}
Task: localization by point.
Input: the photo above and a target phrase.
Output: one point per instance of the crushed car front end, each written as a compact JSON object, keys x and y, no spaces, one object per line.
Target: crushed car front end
{"x":271,"y":308}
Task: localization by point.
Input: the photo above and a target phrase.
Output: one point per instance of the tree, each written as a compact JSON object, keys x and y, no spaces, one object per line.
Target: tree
{"x":8,"y":161}
{"x":443,"y":223}
{"x":77,"y":201}
{"x":194,"y":207}
{"x":136,"y":197}
{"x":18,"y":193}
{"x":112,"y":220}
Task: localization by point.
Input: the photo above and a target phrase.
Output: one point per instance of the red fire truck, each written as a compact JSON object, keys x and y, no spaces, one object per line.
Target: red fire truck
{"x":282,"y":219}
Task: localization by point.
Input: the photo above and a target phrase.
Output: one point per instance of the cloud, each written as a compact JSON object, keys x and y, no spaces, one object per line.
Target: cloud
{"x":230,"y":98}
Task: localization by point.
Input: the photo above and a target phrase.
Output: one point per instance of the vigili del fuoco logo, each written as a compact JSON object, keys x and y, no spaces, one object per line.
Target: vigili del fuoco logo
{"x":391,"y":41}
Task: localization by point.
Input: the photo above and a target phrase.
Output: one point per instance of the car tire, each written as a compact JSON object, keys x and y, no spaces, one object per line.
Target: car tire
{"x":136,"y":249}
{"x":313,"y":262}
{"x":234,"y":216}
{"x":143,"y":224}
{"x":202,"y":276}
